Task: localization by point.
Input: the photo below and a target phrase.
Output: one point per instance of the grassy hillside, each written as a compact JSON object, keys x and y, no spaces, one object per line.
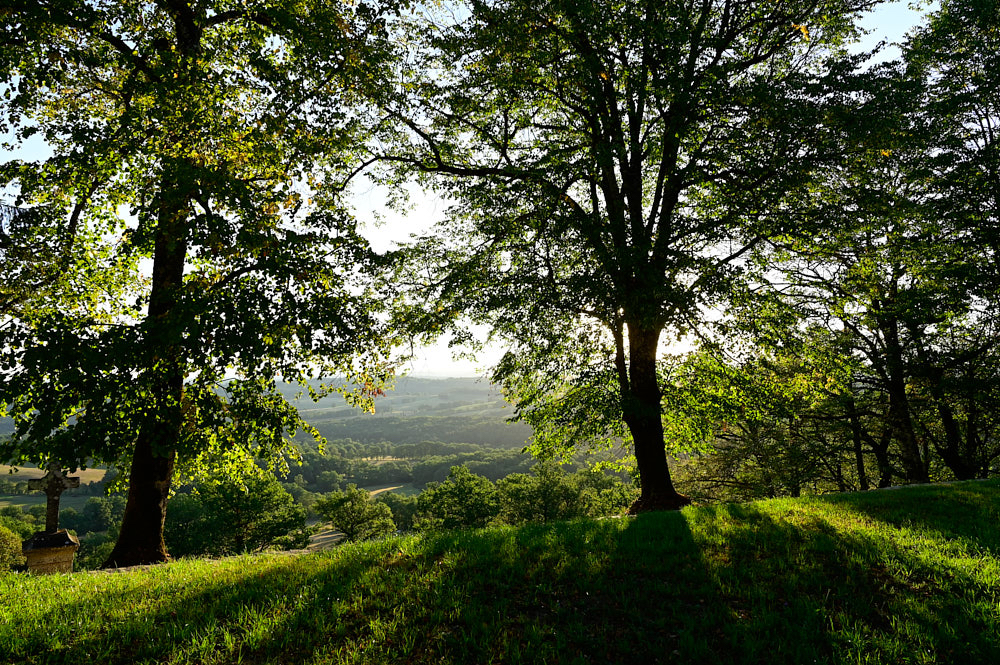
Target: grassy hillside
{"x":899,"y":576}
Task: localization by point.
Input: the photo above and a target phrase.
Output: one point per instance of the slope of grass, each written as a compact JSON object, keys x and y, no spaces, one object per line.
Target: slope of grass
{"x":902,"y":576}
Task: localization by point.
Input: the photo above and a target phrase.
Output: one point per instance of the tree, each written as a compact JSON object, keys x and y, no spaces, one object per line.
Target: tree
{"x":464,"y":500}
{"x":403,"y":508}
{"x":775,"y":420}
{"x":548,"y":494}
{"x":612,"y":165}
{"x":900,"y":264}
{"x":224,"y":130}
{"x":232,"y":518}
{"x":956,"y":55}
{"x":10,"y":549}
{"x":355,"y":514}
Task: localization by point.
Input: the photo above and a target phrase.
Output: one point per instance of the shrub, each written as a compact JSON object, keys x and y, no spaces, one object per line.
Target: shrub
{"x":227,"y":518}
{"x":94,"y":551}
{"x":18,"y":522}
{"x":10,"y":549}
{"x":403,"y":508}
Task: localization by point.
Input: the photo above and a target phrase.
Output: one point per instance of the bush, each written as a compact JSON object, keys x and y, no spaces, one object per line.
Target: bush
{"x":10,"y":549}
{"x":94,"y":551}
{"x":17,"y":521}
{"x":547,"y":494}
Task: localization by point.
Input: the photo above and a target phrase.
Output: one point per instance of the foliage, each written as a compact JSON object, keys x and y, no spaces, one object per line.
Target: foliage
{"x":403,"y":508}
{"x":227,"y":518}
{"x":612,"y":165}
{"x":355,"y":514}
{"x":907,"y":576}
{"x":10,"y":549}
{"x":94,"y":551}
{"x":547,"y":494}
{"x":891,"y":299}
{"x":17,"y":521}
{"x":98,"y":514}
{"x":214,"y":141}
{"x":464,"y":500}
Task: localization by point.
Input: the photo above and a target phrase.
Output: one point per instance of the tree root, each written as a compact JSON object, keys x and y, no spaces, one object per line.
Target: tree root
{"x":659,"y":502}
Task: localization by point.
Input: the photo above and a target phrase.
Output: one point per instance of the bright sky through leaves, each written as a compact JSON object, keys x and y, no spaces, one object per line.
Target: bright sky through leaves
{"x":889,"y":22}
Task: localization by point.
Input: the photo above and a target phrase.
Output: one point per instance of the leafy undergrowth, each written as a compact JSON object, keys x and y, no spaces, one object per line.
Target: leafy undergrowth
{"x":901,"y":576}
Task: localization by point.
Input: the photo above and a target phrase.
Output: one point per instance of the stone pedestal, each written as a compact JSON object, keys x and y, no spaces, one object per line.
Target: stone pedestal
{"x":50,"y":552}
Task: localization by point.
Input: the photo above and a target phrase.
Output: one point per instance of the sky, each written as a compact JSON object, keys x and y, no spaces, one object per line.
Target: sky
{"x":888,"y":22}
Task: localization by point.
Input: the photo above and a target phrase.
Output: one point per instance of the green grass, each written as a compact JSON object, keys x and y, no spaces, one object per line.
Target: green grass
{"x":902,"y":576}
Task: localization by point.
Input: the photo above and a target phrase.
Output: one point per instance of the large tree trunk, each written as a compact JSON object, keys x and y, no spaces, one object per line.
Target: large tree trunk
{"x":914,"y":465}
{"x":642,"y":412}
{"x":957,"y":454}
{"x":140,"y":540}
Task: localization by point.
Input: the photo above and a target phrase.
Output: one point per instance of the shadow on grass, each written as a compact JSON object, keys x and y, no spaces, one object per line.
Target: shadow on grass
{"x":965,"y":510}
{"x":730,"y":584}
{"x":610,"y":591}
{"x":607,"y":591}
{"x":812,"y":591}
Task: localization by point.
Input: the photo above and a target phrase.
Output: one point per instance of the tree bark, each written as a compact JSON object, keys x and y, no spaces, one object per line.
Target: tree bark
{"x":881,"y":450}
{"x":140,"y":540}
{"x":914,"y":466}
{"x":958,"y":455}
{"x":856,"y":437}
{"x":642,"y":412}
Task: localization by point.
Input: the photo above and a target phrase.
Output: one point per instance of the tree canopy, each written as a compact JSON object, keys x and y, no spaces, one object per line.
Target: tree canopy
{"x":621,"y":175}
{"x":613,"y":164}
{"x":198,"y":152}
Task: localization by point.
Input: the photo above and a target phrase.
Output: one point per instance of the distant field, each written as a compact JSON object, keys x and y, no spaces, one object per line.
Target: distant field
{"x":23,"y":472}
{"x":38,"y":499}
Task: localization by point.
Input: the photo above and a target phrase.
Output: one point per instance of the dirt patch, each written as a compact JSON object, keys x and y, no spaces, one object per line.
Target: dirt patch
{"x":380,"y":490}
{"x":324,"y":539}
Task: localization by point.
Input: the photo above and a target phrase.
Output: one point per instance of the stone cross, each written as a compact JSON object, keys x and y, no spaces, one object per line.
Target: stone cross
{"x":53,"y":483}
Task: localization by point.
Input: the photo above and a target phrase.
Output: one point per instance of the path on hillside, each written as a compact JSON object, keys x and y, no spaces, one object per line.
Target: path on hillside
{"x":329,"y":537}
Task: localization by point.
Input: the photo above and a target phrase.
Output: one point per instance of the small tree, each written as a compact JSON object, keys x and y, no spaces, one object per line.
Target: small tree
{"x":355,"y":514}
{"x":403,"y":508}
{"x":547,"y":494}
{"x":229,"y":518}
{"x":463,"y":500}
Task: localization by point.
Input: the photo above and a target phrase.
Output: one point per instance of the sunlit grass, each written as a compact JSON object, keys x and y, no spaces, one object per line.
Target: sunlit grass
{"x":902,"y":576}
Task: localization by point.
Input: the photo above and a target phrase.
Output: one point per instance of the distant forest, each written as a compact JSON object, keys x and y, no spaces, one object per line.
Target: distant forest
{"x":450,"y":410}
{"x":453,"y":410}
